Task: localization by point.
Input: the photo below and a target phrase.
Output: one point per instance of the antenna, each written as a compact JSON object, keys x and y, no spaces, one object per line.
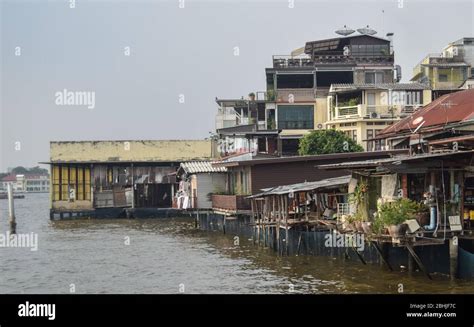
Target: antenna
{"x":345,"y":31}
{"x":366,"y":31}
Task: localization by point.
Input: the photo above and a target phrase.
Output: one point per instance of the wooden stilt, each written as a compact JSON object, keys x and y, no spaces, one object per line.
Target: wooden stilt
{"x":359,"y":255}
{"x":299,"y":244}
{"x":382,"y":256}
{"x":418,"y":261}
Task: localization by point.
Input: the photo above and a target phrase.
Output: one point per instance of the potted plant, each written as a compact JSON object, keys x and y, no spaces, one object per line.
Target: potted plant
{"x":348,"y":223}
{"x":270,"y":95}
{"x":359,"y":199}
{"x":357,"y":221}
{"x":422,"y":215}
{"x":393,"y":215}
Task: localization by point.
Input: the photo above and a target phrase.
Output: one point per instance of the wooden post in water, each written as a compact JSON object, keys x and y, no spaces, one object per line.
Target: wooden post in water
{"x":286,"y":224}
{"x":277,"y":226}
{"x":11,"y":208}
{"x":453,"y":257}
{"x":411,"y":264}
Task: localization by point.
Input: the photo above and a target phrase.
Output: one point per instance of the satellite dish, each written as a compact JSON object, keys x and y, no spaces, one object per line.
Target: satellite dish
{"x":345,"y":31}
{"x":366,"y":31}
{"x":417,"y":120}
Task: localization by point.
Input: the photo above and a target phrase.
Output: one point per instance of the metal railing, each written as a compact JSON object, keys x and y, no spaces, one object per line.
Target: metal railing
{"x":373,"y":111}
{"x":285,"y":61}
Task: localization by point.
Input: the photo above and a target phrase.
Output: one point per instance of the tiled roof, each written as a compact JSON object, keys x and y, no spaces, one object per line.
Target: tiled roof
{"x":194,"y":167}
{"x":9,"y":178}
{"x":379,"y":86}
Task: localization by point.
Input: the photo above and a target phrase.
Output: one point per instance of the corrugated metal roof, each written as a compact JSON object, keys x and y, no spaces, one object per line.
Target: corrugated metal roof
{"x":194,"y":167}
{"x":378,"y":162}
{"x":446,"y":64}
{"x":450,"y":108}
{"x":303,"y":187}
{"x":378,"y":86}
{"x":320,"y":157}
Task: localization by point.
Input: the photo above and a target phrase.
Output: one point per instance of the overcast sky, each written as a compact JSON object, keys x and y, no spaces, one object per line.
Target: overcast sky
{"x":175,"y":54}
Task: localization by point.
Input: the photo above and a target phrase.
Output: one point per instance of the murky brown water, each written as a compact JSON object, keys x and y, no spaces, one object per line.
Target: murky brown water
{"x":164,"y":253}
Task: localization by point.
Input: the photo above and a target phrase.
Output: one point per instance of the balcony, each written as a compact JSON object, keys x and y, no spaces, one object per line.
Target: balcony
{"x":295,"y":95}
{"x":372,"y":112}
{"x":232,"y":203}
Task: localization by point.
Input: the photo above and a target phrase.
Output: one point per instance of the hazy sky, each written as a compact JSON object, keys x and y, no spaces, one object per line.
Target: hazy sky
{"x":174,"y":52}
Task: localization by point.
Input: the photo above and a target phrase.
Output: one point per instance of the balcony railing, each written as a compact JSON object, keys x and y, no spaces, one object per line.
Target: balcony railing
{"x":295,"y":95}
{"x":282,"y":61}
{"x":230,"y":202}
{"x":373,"y":112}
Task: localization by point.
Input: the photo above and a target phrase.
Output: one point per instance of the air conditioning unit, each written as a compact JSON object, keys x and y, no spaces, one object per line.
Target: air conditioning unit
{"x":374,"y":115}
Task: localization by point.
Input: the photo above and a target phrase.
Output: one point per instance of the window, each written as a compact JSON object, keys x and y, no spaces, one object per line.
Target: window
{"x":67,"y":178}
{"x":370,"y":144}
{"x":325,"y":79}
{"x":296,"y":117}
{"x":293,"y":81}
{"x":374,"y":77}
{"x":354,"y":135}
{"x":443,"y":77}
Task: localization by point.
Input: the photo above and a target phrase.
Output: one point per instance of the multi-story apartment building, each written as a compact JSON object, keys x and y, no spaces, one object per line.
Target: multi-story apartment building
{"x":298,"y":85}
{"x":447,"y":71}
{"x":299,"y":97}
{"x":363,"y":110}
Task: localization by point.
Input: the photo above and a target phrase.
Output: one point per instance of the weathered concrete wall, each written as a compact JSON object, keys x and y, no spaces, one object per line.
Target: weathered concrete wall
{"x":139,"y":151}
{"x":74,"y":205}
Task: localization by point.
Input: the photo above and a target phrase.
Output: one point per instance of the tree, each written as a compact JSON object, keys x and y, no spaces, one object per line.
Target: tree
{"x":327,"y":141}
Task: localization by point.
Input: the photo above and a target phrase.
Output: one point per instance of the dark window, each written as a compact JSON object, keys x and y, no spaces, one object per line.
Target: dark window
{"x":325,"y":79}
{"x":295,"y":117}
{"x":374,"y":77}
{"x":370,"y":135}
{"x":289,"y":147}
{"x":443,"y":77}
{"x":294,"y":81}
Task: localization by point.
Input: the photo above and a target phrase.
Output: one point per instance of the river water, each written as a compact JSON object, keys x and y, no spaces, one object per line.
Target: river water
{"x":170,"y":255}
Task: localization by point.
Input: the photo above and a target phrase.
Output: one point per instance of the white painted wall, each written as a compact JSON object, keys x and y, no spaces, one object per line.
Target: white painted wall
{"x":209,"y":183}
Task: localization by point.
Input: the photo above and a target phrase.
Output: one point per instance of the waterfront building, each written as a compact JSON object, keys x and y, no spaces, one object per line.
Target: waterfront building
{"x":36,"y":183}
{"x":198,"y":180}
{"x":247,"y":177}
{"x":105,"y":178}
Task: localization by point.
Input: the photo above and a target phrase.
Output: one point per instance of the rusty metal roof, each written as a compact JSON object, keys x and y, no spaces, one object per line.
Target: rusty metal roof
{"x":450,"y":108}
{"x":362,"y":164}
